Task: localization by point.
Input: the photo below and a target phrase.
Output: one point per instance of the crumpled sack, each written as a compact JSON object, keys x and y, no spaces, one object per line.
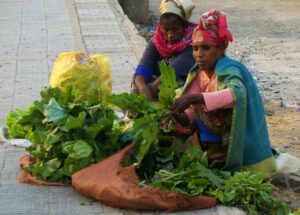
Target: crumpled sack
{"x":114,"y":185}
{"x":90,"y":80}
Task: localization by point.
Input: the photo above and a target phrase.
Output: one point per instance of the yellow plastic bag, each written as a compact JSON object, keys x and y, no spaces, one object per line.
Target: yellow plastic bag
{"x":90,"y":80}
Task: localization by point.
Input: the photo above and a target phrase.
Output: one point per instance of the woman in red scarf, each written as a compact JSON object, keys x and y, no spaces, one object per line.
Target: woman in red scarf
{"x":172,"y":43}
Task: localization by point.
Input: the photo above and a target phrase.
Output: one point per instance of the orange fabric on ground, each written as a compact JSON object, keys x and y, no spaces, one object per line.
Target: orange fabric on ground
{"x":114,"y":185}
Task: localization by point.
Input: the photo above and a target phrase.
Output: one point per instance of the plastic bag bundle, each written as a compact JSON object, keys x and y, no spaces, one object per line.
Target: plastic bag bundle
{"x":91,"y":80}
{"x":286,"y":163}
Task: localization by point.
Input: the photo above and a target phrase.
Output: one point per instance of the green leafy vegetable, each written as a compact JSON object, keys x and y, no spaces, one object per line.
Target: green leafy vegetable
{"x":250,"y":192}
{"x":12,"y":121}
{"x":246,"y":190}
{"x":191,"y":177}
{"x":169,"y":84}
{"x":149,"y":118}
{"x":67,"y":135}
{"x":53,"y":111}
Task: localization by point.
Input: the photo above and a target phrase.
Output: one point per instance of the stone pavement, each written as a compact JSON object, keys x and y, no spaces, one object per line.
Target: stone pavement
{"x":33,"y":33}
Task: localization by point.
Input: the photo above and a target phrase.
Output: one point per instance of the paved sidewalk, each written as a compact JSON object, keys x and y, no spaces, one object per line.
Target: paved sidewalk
{"x":33,"y":33}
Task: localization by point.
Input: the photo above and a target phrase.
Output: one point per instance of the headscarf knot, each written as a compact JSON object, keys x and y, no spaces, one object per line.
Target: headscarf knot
{"x":212,"y":28}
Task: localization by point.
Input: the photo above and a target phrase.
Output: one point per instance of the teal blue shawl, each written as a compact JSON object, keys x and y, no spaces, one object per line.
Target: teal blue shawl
{"x":249,"y":141}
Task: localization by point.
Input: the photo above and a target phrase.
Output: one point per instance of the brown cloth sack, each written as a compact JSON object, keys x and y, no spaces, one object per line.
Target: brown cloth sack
{"x":27,"y":177}
{"x":114,"y":185}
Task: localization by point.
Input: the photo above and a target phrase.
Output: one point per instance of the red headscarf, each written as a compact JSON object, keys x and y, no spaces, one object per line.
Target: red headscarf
{"x":212,"y":28}
{"x":168,"y":50}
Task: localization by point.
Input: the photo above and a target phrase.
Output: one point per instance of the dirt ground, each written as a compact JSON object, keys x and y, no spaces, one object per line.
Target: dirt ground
{"x":267,"y":40}
{"x":283,"y":125}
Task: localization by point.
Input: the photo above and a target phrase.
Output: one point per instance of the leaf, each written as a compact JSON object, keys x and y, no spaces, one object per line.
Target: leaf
{"x":140,"y":123}
{"x":75,"y":122}
{"x":94,"y":130}
{"x":92,"y":110}
{"x":137,"y":104}
{"x":143,"y":146}
{"x":53,"y":111}
{"x":67,"y":147}
{"x":198,"y":186}
{"x":40,"y":136}
{"x":50,"y":167}
{"x":15,"y":130}
{"x":33,"y":116}
{"x":167,"y":154}
{"x":81,"y":149}
{"x":218,"y":194}
{"x":193,"y":154}
{"x":77,"y":149}
{"x":62,"y":97}
{"x":168,"y":85}
{"x":53,"y":138}
{"x":72,"y":165}
{"x":49,"y":93}
{"x":201,"y":171}
{"x":103,"y":124}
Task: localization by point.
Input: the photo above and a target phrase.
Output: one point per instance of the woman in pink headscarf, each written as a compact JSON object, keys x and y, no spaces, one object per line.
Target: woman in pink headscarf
{"x":220,"y":98}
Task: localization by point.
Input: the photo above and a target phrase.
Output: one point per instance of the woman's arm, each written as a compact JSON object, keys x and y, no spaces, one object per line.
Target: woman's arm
{"x":144,"y":71}
{"x":142,"y":86}
{"x":182,"y":103}
{"x":221,"y":99}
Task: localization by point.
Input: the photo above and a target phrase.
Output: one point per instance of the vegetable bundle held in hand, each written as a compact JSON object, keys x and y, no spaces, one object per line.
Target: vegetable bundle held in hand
{"x":150,"y":120}
{"x":66,"y":135}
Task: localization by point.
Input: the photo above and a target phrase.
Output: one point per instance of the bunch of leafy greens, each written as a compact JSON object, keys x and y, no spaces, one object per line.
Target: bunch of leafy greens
{"x":192,"y":176}
{"x":16,"y":130}
{"x":67,"y":135}
{"x":250,"y":192}
{"x":246,"y":190}
{"x":151,"y":121}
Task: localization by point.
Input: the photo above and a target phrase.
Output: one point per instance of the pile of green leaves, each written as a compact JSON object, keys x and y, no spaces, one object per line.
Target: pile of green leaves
{"x":246,"y":190}
{"x":67,"y":135}
{"x":252,"y":193}
{"x":192,"y":176}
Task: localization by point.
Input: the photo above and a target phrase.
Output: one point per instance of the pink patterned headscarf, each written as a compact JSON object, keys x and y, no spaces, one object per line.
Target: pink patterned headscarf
{"x":212,"y":28}
{"x":168,"y":50}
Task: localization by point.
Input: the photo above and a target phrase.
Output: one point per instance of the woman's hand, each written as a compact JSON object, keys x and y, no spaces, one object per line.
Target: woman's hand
{"x":154,"y":88}
{"x":185,"y":101}
{"x":183,"y":119}
{"x":217,"y":159}
{"x":142,"y":87}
